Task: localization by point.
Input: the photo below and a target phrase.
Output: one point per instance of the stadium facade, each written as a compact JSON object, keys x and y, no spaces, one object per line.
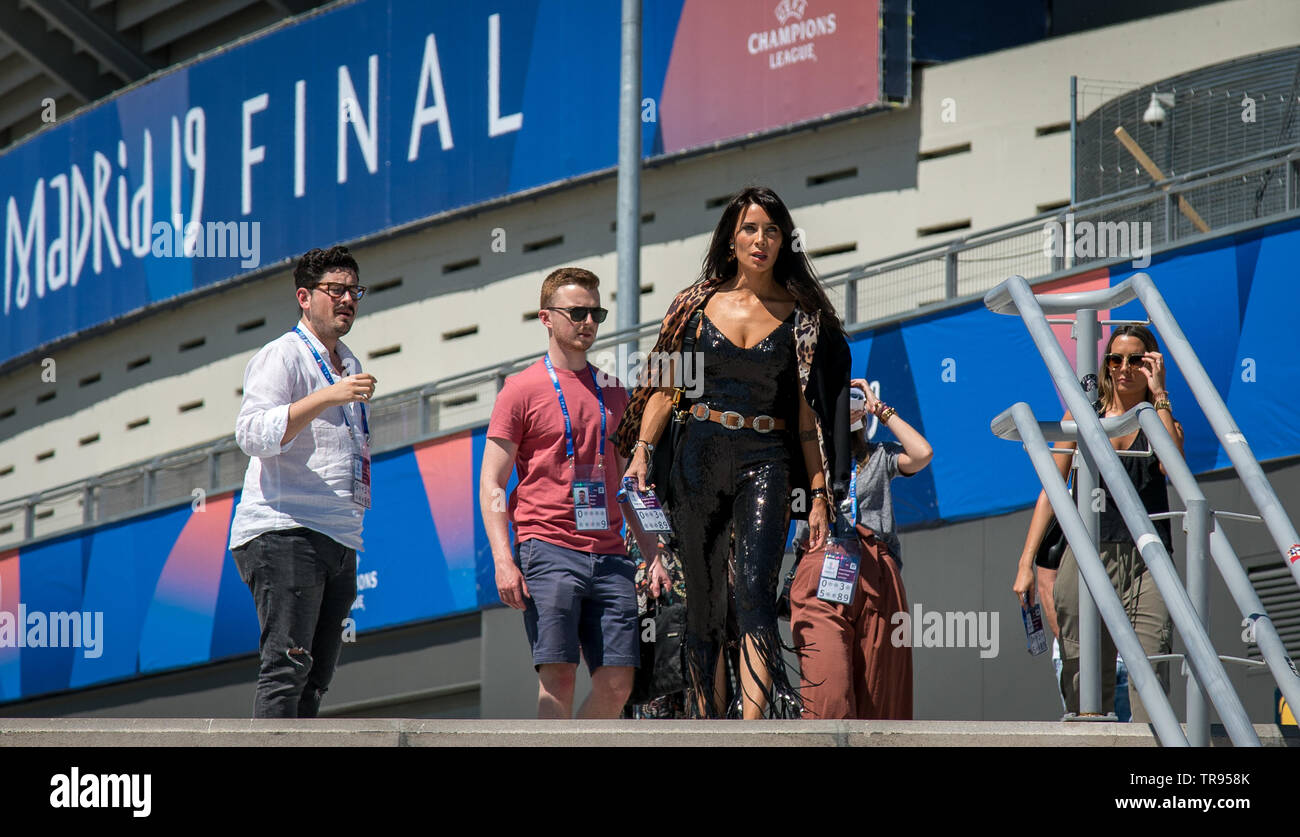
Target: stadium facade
{"x":463,"y":157}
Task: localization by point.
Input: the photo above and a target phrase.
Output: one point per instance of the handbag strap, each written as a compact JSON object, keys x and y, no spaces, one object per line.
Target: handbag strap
{"x":688,"y":347}
{"x":692,"y":326}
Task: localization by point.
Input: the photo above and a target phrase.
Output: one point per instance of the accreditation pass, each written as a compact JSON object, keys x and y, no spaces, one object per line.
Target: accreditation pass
{"x":589,"y":499}
{"x":649,"y":514}
{"x":839,"y":574}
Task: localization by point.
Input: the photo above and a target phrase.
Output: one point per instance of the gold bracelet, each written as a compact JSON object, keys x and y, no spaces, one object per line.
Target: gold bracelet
{"x":1163,"y":404}
{"x":886,"y":414}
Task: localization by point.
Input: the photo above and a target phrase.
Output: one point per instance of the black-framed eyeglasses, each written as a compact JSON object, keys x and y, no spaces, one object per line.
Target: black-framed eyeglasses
{"x":1116,"y":361}
{"x":579,"y":313}
{"x":337,"y":290}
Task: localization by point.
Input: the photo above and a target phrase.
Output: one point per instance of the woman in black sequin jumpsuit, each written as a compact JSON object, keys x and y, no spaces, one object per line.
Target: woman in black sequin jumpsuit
{"x":741,"y":478}
{"x":728,"y":478}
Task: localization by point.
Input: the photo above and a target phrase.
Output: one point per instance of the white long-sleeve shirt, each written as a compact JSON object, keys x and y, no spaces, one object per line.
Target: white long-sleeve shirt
{"x":307,"y":481}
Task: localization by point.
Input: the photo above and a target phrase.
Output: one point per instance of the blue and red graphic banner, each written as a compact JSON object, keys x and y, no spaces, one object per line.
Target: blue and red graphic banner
{"x":950,"y":373}
{"x":161,"y":591}
{"x":380,"y":113}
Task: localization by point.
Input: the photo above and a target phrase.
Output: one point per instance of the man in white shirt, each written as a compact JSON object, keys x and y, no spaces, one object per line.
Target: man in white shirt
{"x":297,"y":528}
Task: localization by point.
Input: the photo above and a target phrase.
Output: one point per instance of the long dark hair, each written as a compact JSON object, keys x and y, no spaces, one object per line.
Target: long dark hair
{"x":860,"y":444}
{"x":792,"y":269}
{"x":1104,"y":385}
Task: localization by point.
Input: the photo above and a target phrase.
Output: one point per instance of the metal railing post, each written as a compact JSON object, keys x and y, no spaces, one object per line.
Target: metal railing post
{"x":851,"y":301}
{"x":146,"y":480}
{"x":1087,"y":332}
{"x":435,"y":411}
{"x":422,"y":414}
{"x":1197,"y":523}
{"x":950,"y":272}
{"x":1168,"y":204}
{"x":1290,"y":185}
{"x":1059,"y":254}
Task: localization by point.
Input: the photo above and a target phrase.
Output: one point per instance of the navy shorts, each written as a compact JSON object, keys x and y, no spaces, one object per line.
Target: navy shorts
{"x":579,"y":601}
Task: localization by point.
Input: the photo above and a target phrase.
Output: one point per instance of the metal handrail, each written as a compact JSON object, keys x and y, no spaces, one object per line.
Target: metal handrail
{"x":1141,"y":673}
{"x":1225,"y":558}
{"x":1014,"y":296}
{"x":1146,"y":190}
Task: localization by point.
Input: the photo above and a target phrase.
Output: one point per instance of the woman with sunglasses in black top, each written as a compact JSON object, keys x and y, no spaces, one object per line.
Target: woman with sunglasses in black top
{"x":1133,"y":372}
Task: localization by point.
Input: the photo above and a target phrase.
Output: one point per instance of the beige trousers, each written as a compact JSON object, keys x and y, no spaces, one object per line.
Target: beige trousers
{"x":1147,"y":614}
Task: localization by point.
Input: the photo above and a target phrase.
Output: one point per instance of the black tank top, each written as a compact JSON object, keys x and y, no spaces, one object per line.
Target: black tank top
{"x":1150,"y":484}
{"x":763,"y":379}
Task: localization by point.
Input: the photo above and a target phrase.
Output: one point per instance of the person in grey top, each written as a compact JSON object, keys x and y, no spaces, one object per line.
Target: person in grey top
{"x":875,"y":500}
{"x":842,"y":608}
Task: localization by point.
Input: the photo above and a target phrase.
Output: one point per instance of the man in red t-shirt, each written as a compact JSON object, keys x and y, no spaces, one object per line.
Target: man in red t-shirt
{"x":569,"y":573}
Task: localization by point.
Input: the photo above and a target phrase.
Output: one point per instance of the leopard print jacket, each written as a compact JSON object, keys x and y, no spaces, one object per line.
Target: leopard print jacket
{"x":671,"y":333}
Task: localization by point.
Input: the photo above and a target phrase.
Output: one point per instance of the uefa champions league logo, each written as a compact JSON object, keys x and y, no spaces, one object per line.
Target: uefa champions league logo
{"x":787,"y":9}
{"x":792,"y":41}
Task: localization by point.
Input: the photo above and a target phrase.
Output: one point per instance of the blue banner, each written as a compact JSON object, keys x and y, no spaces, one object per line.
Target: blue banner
{"x":377,"y":114}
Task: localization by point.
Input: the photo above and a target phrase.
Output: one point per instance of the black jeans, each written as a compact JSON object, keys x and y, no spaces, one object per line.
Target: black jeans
{"x":303,"y":585}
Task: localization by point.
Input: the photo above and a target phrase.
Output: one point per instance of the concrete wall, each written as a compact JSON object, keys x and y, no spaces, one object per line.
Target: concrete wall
{"x":420,"y":671}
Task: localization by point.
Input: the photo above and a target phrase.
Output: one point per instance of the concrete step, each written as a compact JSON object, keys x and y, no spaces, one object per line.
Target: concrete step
{"x":379,"y":732}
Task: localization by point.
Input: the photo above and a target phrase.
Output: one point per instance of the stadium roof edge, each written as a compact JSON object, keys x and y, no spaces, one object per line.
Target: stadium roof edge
{"x":179,"y":65}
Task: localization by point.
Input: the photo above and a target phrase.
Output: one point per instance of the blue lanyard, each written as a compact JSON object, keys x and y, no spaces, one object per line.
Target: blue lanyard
{"x":564,"y":408}
{"x":853,"y":493}
{"x":851,"y":518}
{"x":365,"y":425}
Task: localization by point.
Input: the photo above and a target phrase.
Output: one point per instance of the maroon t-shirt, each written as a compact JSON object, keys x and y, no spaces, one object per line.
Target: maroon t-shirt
{"x":527,"y":412}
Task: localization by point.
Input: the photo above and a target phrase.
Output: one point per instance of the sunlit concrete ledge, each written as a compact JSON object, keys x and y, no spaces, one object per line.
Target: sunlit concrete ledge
{"x":369,"y":732}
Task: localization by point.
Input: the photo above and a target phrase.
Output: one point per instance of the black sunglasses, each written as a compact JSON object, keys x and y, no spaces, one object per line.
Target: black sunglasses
{"x":1115,"y":361}
{"x":336,"y":290}
{"x":579,"y":313}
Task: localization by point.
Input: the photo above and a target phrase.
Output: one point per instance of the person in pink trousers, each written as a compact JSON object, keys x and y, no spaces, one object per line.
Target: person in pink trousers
{"x":848,"y":666}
